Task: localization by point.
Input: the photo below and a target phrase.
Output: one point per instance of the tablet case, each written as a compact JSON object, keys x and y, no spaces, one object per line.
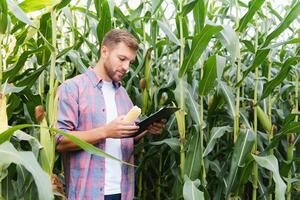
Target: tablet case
{"x":163,"y":113}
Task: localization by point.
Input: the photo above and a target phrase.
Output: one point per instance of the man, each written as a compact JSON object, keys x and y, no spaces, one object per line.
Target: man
{"x":91,"y":106}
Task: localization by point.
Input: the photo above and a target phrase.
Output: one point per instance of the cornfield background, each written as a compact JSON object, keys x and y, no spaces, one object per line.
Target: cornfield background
{"x":231,"y":66}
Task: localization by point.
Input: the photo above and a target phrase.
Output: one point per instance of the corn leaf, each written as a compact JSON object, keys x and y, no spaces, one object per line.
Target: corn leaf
{"x":224,"y":90}
{"x":230,"y":41}
{"x":6,"y":135}
{"x":155,"y":5}
{"x":173,"y":143}
{"x":259,"y":58}
{"x":47,"y":141}
{"x":104,"y":24}
{"x":34,"y":5}
{"x":270,"y":162}
{"x":19,"y":13}
{"x":167,"y":30}
{"x":191,"y":103}
{"x":199,"y":12}
{"x":3,"y":16}
{"x":209,"y":76}
{"x":290,"y":17}
{"x":216,"y":133}
{"x":270,"y":86}
{"x":254,"y":6}
{"x":193,"y":157}
{"x":191,"y":191}
{"x":292,"y":127}
{"x":242,"y":150}
{"x":11,"y":73}
{"x":188,"y":7}
{"x":10,"y":155}
{"x":199,"y":44}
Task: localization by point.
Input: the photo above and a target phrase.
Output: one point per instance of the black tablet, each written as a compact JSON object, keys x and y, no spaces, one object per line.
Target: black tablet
{"x":163,"y":113}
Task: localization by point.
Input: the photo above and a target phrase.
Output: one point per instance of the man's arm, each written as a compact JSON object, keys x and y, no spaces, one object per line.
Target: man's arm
{"x":115,"y":129}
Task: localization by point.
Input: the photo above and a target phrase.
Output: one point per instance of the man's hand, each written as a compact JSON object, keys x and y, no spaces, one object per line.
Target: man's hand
{"x":157,"y":127}
{"x":118,"y":128}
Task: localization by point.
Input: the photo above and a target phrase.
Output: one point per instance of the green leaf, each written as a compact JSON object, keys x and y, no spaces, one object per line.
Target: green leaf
{"x":291,"y":41}
{"x":254,"y":6}
{"x":242,"y":149}
{"x":190,"y":189}
{"x":259,"y":58}
{"x":270,"y":86}
{"x":5,"y":136}
{"x":10,"y":155}
{"x":224,"y":90}
{"x":76,"y":60}
{"x":249,"y":45}
{"x":193,"y":157}
{"x":19,"y":13}
{"x":3,"y":16}
{"x":155,"y":5}
{"x":188,"y":7}
{"x":284,"y":24}
{"x":171,"y":142}
{"x":292,"y":127}
{"x":270,"y":162}
{"x":191,"y":102}
{"x":230,"y":40}
{"x":209,"y":76}
{"x":216,"y":133}
{"x":220,"y":61}
{"x":199,"y":44}
{"x":199,"y":12}
{"x":48,"y":143}
{"x":30,"y":79}
{"x":9,"y":88}
{"x":167,"y":30}
{"x":11,"y":73}
{"x":104,"y":24}
{"x":34,"y":5}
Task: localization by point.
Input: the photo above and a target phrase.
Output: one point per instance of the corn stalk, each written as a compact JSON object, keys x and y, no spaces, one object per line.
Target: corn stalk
{"x":270,"y":132}
{"x":238,"y":76}
{"x":181,"y":114}
{"x":203,"y":173}
{"x":46,"y":138}
{"x":291,"y":137}
{"x":145,"y":86}
{"x":255,"y":166}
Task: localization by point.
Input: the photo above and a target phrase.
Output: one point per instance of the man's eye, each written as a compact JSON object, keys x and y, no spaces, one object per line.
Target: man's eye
{"x":122,"y":59}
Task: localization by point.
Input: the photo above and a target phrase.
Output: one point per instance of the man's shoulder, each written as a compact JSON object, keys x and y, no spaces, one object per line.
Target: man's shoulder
{"x":72,"y":85}
{"x":76,"y":80}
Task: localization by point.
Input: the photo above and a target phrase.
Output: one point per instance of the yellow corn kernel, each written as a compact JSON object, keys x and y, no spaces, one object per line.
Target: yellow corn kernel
{"x":132,"y":115}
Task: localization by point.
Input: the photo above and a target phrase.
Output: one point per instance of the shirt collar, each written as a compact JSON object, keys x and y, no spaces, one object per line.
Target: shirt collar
{"x":97,"y":80}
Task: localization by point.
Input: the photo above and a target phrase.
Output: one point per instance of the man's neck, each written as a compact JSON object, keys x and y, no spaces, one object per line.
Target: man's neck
{"x":100,"y":71}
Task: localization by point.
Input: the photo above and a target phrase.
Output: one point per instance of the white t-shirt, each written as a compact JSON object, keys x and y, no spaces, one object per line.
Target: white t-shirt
{"x":113,"y":146}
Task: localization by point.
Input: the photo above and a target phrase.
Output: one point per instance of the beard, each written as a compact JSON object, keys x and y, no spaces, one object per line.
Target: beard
{"x":113,"y":75}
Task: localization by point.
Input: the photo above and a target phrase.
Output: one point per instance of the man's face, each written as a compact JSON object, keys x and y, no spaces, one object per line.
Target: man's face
{"x":117,"y":60}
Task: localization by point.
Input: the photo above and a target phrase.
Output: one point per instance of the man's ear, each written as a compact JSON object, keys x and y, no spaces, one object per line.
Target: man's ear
{"x":104,"y":51}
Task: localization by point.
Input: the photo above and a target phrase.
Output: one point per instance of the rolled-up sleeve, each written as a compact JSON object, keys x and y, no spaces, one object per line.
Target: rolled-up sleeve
{"x":67,"y":119}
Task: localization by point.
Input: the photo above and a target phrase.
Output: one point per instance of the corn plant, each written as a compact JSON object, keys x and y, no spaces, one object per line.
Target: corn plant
{"x":232,"y":67}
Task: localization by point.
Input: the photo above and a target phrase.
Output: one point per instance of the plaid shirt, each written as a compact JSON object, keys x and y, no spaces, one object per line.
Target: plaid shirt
{"x":81,"y":107}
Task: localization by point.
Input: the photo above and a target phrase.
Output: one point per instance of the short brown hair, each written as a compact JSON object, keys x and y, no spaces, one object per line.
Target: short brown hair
{"x":116,"y":36}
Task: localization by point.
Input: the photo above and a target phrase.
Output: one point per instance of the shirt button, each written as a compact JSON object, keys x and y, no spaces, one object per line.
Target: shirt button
{"x":103,"y":110}
{"x":101,"y":189}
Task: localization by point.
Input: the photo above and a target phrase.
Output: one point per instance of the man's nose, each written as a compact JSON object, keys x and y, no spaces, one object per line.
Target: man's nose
{"x":126,"y":66}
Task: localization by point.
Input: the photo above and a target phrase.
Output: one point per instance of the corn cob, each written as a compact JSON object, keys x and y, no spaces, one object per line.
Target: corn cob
{"x":132,"y":115}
